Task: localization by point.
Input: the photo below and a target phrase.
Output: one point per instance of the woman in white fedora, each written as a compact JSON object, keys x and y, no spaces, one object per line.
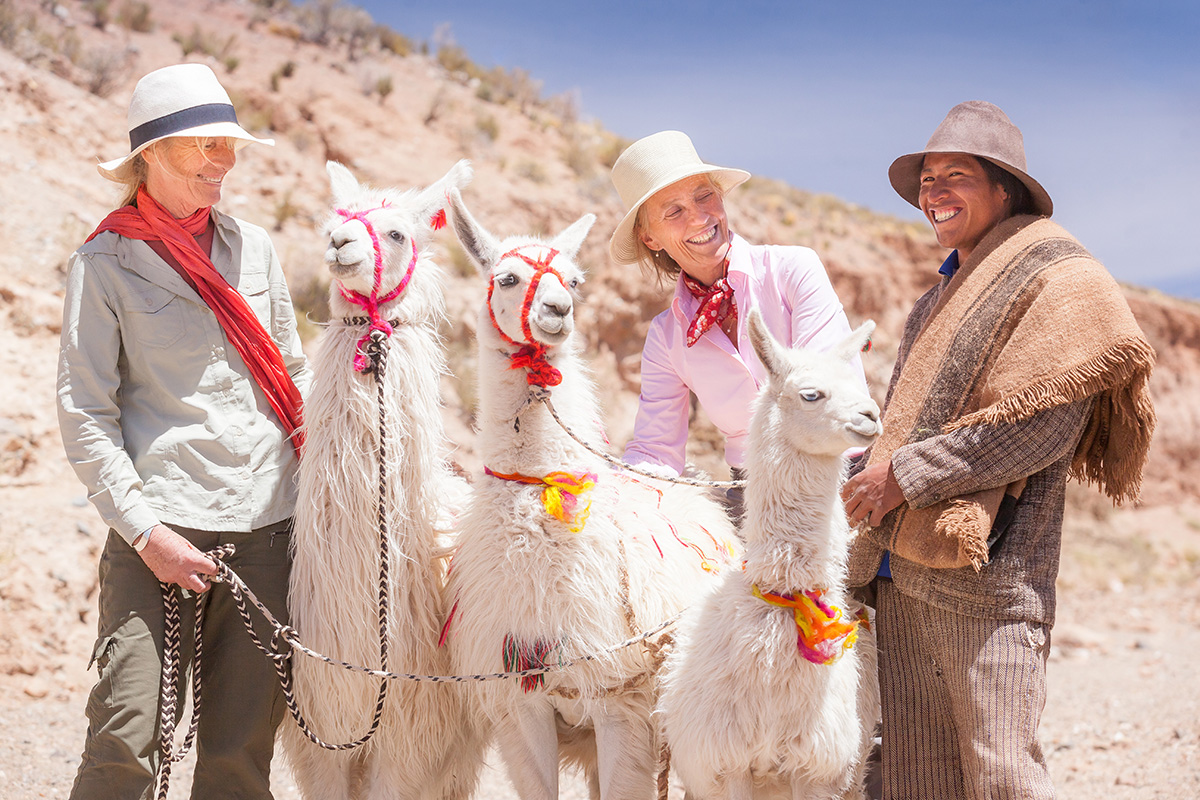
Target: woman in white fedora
{"x":179,"y":395}
{"x":1021,"y":367}
{"x":676,"y":225}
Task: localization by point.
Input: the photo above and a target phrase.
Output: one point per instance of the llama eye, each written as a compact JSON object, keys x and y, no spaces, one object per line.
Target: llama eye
{"x":811,"y":395}
{"x":396,"y":236}
{"x":506,"y":280}
{"x":574,"y":283}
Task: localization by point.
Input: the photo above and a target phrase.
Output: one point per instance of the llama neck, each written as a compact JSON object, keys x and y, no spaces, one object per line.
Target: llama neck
{"x":795,"y":530}
{"x":519,"y":435}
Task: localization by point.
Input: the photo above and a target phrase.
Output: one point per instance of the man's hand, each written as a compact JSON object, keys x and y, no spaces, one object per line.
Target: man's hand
{"x":173,"y":559}
{"x":871,"y":494}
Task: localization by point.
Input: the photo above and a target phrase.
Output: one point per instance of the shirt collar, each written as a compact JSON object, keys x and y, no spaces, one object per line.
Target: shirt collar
{"x":685,"y":304}
{"x":950,"y":265}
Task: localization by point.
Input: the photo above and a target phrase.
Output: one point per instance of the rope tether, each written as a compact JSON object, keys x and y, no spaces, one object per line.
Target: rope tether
{"x":539,"y":394}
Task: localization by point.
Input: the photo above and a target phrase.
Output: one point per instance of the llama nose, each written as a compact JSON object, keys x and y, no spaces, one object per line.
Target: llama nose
{"x":557,"y":308}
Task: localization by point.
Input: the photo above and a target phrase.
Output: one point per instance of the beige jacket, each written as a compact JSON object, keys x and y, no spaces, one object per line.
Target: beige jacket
{"x":159,"y":414}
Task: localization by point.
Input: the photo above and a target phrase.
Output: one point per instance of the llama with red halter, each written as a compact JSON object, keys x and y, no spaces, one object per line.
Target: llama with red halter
{"x":375,"y":379}
{"x":560,"y":557}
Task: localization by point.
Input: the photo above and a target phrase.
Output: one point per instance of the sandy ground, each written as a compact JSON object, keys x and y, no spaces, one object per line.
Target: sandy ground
{"x":1122,"y":721}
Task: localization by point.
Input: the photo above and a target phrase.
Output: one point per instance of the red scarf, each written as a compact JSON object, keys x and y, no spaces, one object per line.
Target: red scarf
{"x":150,"y":222}
{"x":717,"y":304}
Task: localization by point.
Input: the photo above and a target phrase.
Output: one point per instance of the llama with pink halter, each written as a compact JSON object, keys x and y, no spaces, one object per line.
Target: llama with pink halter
{"x":560,"y":557}
{"x":375,"y":469}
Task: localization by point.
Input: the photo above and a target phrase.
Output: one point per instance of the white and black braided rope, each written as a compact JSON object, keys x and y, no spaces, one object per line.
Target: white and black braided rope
{"x":540,"y":394}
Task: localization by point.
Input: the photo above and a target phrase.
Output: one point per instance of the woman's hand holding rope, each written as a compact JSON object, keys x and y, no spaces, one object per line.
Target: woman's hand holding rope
{"x":174,"y":560}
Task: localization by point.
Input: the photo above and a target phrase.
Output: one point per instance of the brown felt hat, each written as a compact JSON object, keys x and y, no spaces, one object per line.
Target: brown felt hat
{"x":978,"y":129}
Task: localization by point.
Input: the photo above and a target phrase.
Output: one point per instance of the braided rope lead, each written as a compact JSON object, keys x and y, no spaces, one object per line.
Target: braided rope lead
{"x":169,"y":708}
{"x":540,"y":394}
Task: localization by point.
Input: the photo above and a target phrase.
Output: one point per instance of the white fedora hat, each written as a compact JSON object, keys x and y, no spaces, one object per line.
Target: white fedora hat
{"x":651,"y":164}
{"x":181,"y":100}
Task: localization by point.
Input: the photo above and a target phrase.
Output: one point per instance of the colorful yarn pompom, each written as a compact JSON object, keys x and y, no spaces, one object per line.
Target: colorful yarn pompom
{"x":821,"y":635}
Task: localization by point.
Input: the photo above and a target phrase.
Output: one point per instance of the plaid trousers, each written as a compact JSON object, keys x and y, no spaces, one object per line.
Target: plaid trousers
{"x":962,"y":698}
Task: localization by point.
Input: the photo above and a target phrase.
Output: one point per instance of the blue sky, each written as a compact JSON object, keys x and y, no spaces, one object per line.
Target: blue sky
{"x":824,"y":95}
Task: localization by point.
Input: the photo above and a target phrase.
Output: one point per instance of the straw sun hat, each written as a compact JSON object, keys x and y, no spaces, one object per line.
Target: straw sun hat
{"x":651,"y":164}
{"x":978,"y":129}
{"x":181,"y":100}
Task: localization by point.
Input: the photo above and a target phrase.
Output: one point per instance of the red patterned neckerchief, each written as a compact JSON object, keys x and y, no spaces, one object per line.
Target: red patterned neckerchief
{"x":530,"y":354}
{"x":717,"y":304}
{"x":371,"y":303}
{"x":150,"y":222}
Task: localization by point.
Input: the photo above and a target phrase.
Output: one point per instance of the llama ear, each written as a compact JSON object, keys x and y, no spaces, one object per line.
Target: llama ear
{"x":770,"y":353}
{"x":857,"y":342}
{"x":341,"y":181}
{"x":481,"y":246}
{"x":571,"y":239}
{"x":432,"y":200}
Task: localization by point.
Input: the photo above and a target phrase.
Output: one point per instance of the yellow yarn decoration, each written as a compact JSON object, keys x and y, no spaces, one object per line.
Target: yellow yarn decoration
{"x":564,"y":497}
{"x":821,"y":635}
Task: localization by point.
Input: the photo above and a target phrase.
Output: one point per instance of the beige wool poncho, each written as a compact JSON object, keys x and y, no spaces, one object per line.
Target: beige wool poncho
{"x":1029,"y":321}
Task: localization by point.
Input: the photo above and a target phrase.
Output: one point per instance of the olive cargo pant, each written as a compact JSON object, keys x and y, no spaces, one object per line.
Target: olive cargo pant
{"x":242,"y":703}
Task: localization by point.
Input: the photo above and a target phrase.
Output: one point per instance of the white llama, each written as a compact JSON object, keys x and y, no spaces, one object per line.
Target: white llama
{"x":771,"y":690}
{"x":426,"y":745}
{"x":559,"y":557}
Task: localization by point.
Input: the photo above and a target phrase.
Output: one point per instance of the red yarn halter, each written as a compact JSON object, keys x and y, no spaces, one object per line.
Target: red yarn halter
{"x":371,"y":304}
{"x":530,"y":354}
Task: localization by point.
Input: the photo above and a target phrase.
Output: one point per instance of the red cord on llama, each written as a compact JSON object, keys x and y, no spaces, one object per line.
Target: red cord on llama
{"x":530,"y":354}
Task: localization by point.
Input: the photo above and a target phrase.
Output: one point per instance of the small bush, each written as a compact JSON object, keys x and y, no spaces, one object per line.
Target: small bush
{"x":487,"y":125}
{"x":231,"y":63}
{"x":393,"y":42}
{"x":532,"y":170}
{"x":284,"y":210}
{"x":135,"y":16}
{"x":104,"y":70}
{"x":384,"y":86}
{"x":100,"y":13}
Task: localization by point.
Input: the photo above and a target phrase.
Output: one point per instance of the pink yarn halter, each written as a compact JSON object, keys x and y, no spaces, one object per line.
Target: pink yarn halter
{"x":530,"y":354}
{"x":370,"y":304}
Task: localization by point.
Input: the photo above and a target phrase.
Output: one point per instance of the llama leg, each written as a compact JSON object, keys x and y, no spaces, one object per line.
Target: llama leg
{"x":739,"y":785}
{"x":625,"y":754}
{"x":528,"y":742}
{"x":320,"y":774}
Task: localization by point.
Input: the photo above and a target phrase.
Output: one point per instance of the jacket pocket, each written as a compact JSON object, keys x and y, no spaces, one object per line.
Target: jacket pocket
{"x":155,"y":318}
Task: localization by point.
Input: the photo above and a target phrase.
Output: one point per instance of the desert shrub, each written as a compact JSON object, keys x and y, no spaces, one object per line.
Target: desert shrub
{"x":12,"y":22}
{"x":532,"y":170}
{"x":209,"y":44}
{"x":454,"y":60}
{"x":285,"y":70}
{"x":135,"y":16}
{"x":99,"y":11}
{"x":231,"y":63}
{"x":610,"y":149}
{"x":103,"y":70}
{"x":392,"y":41}
{"x":384,"y":86}
{"x":284,"y":210}
{"x":487,"y":125}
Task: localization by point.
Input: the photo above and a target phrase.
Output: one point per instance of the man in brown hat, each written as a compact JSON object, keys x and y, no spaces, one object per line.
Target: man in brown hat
{"x":1022,"y":367}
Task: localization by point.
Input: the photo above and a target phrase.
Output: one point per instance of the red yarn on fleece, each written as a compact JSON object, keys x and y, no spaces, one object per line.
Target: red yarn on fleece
{"x":530,"y":355}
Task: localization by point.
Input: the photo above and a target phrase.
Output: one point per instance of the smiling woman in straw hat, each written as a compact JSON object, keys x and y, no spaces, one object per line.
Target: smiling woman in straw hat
{"x":179,"y":393}
{"x":1021,"y":367}
{"x":676,"y":224}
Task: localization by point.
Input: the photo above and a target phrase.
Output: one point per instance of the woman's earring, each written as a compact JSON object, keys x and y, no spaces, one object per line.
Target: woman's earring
{"x":656,"y":253}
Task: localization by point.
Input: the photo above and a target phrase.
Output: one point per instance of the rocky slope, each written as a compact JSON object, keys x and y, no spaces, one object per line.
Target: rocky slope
{"x":402,"y":120}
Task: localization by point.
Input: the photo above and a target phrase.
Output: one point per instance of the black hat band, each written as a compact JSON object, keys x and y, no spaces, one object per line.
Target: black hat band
{"x":181,"y":121}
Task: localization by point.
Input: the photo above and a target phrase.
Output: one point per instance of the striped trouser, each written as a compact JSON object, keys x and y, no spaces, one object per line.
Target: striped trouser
{"x":962,"y":698}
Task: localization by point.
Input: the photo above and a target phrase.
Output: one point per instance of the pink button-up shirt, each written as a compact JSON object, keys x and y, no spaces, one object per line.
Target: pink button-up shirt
{"x":788,"y":285}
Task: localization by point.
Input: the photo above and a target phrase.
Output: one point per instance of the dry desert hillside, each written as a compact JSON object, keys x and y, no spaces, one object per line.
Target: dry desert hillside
{"x":327,"y":83}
